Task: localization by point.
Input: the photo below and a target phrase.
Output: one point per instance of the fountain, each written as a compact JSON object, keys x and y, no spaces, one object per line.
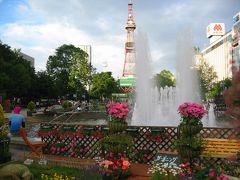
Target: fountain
{"x":156,"y":107}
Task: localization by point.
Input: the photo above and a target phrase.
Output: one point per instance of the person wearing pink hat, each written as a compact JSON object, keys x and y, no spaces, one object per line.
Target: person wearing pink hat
{"x":16,"y":120}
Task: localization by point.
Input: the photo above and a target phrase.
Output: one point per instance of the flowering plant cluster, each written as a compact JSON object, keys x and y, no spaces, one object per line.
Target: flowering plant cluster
{"x":143,"y":154}
{"x":115,"y":167}
{"x":117,"y":110}
{"x":192,"y":110}
{"x":66,"y":135}
{"x":164,"y":167}
{"x":197,"y":171}
{"x":56,"y":177}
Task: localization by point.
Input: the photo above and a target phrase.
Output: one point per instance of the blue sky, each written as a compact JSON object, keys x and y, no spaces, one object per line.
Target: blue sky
{"x":38,"y":27}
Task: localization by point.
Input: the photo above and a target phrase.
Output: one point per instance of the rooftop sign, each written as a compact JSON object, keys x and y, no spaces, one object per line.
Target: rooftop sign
{"x":215,"y":29}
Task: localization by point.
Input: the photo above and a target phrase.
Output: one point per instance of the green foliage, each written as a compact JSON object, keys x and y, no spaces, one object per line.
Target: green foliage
{"x":219,"y":87}
{"x":31,"y":106}
{"x":165,"y":78}
{"x":66,"y":104}
{"x":117,"y":142}
{"x":157,"y":176}
{"x":189,"y":145}
{"x":3,"y":128}
{"x":16,"y":73}
{"x":81,"y":70}
{"x":2,"y":118}
{"x":40,"y":172}
{"x":195,"y":143}
{"x":62,"y":68}
{"x":208,"y":77}
{"x":231,"y":168}
{"x":103,"y":85}
{"x":45,"y":86}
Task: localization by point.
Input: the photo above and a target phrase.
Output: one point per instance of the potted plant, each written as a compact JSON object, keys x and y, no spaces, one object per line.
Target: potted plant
{"x":117,"y":144}
{"x":189,"y":146}
{"x":4,"y":139}
{"x":31,"y":108}
{"x":118,"y":116}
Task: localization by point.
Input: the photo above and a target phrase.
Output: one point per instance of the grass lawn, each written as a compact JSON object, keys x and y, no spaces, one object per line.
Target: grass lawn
{"x":44,"y":172}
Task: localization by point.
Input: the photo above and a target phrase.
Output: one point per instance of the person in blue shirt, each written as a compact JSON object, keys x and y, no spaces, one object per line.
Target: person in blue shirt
{"x":16,"y":120}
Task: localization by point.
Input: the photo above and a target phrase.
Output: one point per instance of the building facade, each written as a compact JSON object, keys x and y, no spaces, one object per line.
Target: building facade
{"x":218,"y":54}
{"x":236,"y":40}
{"x":28,"y":58}
{"x":223,"y":51}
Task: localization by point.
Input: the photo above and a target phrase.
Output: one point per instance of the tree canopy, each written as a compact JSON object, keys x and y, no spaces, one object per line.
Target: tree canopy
{"x":165,"y":78}
{"x":16,"y":73}
{"x":67,"y":68}
{"x":103,"y":84}
{"x":208,"y":78}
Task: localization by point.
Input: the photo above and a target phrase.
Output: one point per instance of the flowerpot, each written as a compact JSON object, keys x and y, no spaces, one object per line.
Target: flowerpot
{"x":190,"y":130}
{"x":117,"y":126}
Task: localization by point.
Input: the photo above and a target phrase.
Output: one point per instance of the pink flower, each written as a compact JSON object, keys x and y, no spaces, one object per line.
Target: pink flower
{"x":222,"y":178}
{"x":126,"y":163}
{"x":211,"y":173}
{"x":106,"y":162}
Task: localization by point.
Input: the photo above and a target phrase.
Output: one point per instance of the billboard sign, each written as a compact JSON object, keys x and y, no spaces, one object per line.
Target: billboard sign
{"x":215,"y":29}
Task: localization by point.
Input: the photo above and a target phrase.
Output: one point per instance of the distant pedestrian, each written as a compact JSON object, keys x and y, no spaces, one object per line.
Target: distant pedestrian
{"x":16,"y":120}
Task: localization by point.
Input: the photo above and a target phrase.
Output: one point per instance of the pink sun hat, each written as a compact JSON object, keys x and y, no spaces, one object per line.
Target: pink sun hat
{"x":17,"y":109}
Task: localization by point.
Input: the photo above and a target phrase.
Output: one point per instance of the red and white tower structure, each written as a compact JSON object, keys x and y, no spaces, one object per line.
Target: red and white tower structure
{"x":127,"y":82}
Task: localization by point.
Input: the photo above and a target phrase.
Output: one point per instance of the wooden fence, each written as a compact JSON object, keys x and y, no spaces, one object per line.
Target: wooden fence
{"x":81,"y":141}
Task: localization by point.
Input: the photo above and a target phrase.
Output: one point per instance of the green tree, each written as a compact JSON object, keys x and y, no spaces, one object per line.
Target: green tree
{"x":44,"y":86}
{"x":81,"y":71}
{"x":219,"y":87}
{"x":59,"y":67}
{"x":16,"y":73}
{"x":165,"y":78}
{"x":103,"y":84}
{"x":208,"y":78}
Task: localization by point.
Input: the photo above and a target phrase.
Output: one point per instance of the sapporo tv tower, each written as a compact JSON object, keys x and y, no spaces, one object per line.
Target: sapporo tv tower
{"x":127,"y":81}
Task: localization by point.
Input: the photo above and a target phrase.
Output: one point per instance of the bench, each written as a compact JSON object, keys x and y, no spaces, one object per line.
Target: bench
{"x":221,"y":148}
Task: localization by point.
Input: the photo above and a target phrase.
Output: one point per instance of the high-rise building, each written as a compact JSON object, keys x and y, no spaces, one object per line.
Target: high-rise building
{"x":218,"y":54}
{"x":88,"y":50}
{"x":127,"y":81}
{"x":28,"y":58}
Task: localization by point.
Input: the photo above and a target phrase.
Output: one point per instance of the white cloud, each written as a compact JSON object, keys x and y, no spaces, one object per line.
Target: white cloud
{"x":23,"y":8}
{"x":101,"y":24}
{"x":40,"y":41}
